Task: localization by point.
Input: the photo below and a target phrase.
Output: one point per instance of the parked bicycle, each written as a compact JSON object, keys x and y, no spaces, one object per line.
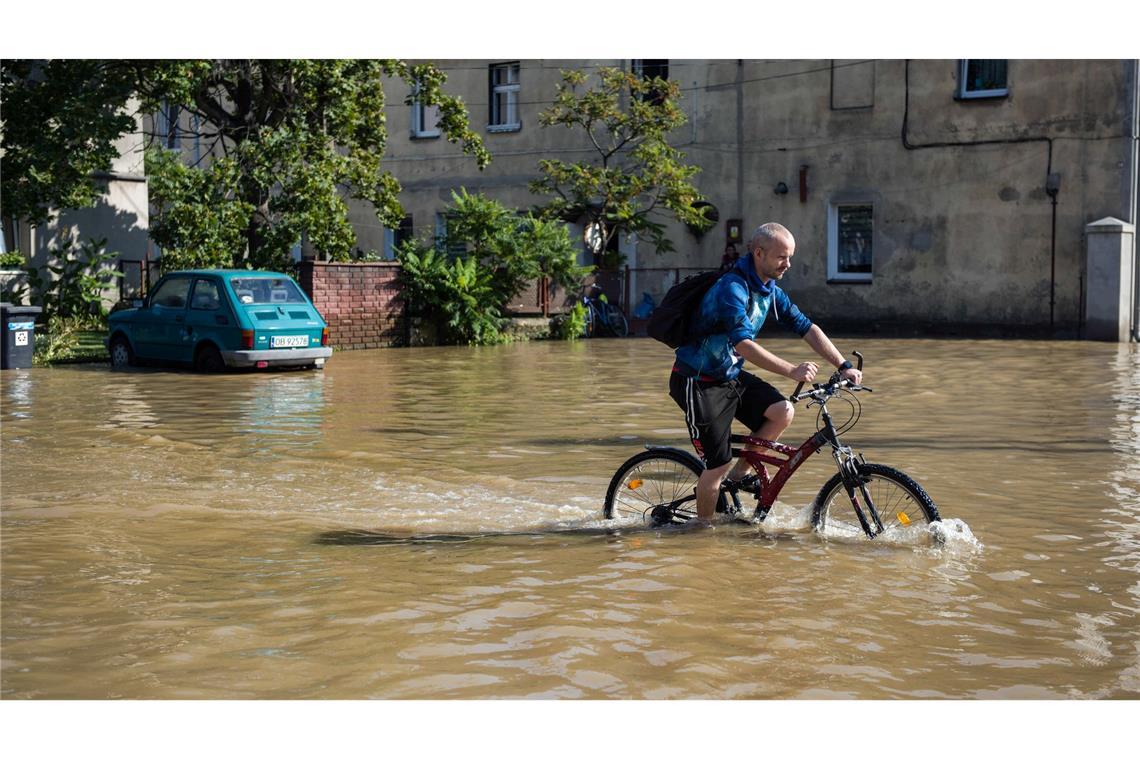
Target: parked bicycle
{"x":603,"y":317}
{"x":658,"y":486}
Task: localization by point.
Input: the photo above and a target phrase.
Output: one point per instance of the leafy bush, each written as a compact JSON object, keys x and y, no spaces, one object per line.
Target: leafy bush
{"x":81,"y":275}
{"x":571,"y":325}
{"x":12,"y":260}
{"x":456,"y":296}
{"x":465,"y":297}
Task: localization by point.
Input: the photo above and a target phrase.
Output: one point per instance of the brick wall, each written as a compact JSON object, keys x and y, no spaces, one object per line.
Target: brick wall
{"x":362,"y":303}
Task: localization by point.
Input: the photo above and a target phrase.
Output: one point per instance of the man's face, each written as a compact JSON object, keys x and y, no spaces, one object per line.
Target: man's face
{"x":773,"y":260}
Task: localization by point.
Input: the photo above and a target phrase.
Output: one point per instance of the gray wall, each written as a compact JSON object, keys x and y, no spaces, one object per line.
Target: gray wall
{"x":962,"y":234}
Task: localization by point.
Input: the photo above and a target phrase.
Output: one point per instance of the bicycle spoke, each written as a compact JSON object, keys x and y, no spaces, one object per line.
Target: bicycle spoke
{"x":898,"y":509}
{"x":652,"y":483}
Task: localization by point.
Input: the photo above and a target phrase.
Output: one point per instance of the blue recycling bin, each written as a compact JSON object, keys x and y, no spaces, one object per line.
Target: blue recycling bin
{"x":19,"y":341}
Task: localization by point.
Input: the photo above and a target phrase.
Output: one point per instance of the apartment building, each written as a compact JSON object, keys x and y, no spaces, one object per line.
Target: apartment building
{"x":930,"y":194}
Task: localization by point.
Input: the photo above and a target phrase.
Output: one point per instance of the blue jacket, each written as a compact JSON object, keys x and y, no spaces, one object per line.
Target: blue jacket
{"x":734,"y":309}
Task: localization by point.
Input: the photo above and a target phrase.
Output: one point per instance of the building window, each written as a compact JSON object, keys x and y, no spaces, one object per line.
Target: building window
{"x":651,"y":68}
{"x":978,"y":78}
{"x":504,"y":98}
{"x":443,"y":241}
{"x":849,"y":242}
{"x":166,"y":130}
{"x":394,"y":239}
{"x":425,"y":118}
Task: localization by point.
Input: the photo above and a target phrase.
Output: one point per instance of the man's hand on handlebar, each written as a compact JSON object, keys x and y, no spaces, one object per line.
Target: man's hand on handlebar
{"x":854,"y":376}
{"x":805,"y":372}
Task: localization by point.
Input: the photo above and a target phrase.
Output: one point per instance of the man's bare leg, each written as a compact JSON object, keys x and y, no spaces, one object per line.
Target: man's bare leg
{"x":777,"y":418}
{"x":708,"y":489}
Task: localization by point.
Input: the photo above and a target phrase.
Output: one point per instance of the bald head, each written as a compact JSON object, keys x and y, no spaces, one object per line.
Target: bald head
{"x":771,"y":247}
{"x":767,"y":234}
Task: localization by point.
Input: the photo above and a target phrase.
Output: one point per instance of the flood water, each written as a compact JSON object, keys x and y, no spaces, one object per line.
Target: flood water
{"x":425,"y":524}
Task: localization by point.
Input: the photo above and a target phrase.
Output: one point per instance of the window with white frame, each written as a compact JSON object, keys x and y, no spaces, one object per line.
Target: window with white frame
{"x":504,"y":85}
{"x":850,"y":238}
{"x":983,"y":78}
{"x":425,"y":118}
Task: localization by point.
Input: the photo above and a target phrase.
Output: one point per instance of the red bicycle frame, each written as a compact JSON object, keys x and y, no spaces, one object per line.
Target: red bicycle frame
{"x":786,"y":466}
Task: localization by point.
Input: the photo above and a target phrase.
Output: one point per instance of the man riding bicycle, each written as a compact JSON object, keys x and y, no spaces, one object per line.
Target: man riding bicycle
{"x":707,"y":381}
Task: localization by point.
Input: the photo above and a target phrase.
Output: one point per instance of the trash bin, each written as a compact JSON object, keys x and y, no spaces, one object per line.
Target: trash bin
{"x":19,"y":342}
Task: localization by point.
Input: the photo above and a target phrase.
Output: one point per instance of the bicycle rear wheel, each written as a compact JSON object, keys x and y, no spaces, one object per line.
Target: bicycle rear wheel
{"x":616,"y":321}
{"x":656,"y":487}
{"x":901,"y":503}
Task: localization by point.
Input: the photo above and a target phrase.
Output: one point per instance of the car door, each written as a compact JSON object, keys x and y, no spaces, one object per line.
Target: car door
{"x":160,"y":328}
{"x":209,"y":316}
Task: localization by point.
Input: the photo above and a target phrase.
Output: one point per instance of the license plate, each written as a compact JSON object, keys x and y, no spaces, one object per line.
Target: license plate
{"x":289,"y":341}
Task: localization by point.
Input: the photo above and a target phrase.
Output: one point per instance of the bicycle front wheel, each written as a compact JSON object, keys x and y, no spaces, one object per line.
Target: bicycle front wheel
{"x":655,"y":487}
{"x":590,"y":328}
{"x":900,"y":503}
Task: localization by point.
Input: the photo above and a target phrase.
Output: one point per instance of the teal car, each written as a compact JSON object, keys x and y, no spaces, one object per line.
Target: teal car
{"x":212,"y":319}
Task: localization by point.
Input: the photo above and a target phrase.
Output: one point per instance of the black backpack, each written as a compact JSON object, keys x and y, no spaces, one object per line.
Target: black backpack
{"x":669,"y":322}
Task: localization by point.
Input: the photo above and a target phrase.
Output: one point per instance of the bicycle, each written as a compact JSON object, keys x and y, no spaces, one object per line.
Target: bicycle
{"x":601,"y":314}
{"x":659,"y":485}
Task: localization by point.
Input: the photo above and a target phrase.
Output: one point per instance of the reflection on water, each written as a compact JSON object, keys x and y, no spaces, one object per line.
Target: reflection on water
{"x":425,"y":523}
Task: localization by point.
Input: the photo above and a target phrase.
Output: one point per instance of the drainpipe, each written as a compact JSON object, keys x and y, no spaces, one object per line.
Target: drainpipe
{"x":739,"y":141}
{"x":1133,"y":189}
{"x":1052,"y":187}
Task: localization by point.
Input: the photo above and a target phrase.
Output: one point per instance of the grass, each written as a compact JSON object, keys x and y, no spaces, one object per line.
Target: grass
{"x":69,"y":347}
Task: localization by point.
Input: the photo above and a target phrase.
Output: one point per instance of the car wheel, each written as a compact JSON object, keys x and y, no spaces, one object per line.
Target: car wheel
{"x":121,"y":353}
{"x":209,"y":359}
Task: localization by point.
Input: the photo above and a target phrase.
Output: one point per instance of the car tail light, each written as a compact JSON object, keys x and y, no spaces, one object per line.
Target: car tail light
{"x":247,"y":339}
{"x":325,"y":337}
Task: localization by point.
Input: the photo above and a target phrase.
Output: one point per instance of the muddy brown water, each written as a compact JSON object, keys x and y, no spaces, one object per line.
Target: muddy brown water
{"x":169,"y":535}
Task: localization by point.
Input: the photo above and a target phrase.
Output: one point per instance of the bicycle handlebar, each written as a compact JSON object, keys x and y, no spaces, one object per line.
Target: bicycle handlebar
{"x":830,"y":388}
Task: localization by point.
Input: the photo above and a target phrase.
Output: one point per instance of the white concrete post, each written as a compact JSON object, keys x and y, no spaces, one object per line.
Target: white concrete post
{"x":1108,"y":284}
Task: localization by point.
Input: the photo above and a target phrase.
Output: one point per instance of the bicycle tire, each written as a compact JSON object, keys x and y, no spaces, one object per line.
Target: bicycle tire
{"x":651,"y":479}
{"x":902,"y":503}
{"x":616,"y":321}
{"x":590,"y":329}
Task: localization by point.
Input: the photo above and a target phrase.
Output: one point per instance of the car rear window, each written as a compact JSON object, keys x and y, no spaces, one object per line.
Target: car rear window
{"x":266,"y":290}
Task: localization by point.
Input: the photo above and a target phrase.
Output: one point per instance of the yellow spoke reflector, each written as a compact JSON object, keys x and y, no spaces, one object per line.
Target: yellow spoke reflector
{"x":903,"y":518}
{"x":635,"y":484}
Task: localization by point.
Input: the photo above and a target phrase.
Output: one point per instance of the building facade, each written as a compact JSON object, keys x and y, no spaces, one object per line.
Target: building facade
{"x":925,"y":195}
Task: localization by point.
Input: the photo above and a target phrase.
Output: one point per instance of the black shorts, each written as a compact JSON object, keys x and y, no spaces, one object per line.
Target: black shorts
{"x":711,"y":405}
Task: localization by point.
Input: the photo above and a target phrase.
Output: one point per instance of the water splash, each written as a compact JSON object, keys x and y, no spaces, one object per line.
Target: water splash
{"x":954,"y":534}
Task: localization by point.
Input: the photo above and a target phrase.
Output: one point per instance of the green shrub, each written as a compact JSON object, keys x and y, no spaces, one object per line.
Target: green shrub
{"x":12,"y":260}
{"x":82,"y":273}
{"x":456,"y":296}
{"x":464,"y":297}
{"x":571,"y":325}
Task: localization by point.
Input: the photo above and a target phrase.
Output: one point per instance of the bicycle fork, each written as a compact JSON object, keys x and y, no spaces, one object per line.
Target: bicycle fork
{"x":856,"y":486}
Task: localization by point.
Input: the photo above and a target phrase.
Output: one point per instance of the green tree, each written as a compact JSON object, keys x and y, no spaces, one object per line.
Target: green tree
{"x":296,"y":138}
{"x":635,"y":177}
{"x":289,"y":140}
{"x":465,"y":297}
{"x":60,"y":121}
